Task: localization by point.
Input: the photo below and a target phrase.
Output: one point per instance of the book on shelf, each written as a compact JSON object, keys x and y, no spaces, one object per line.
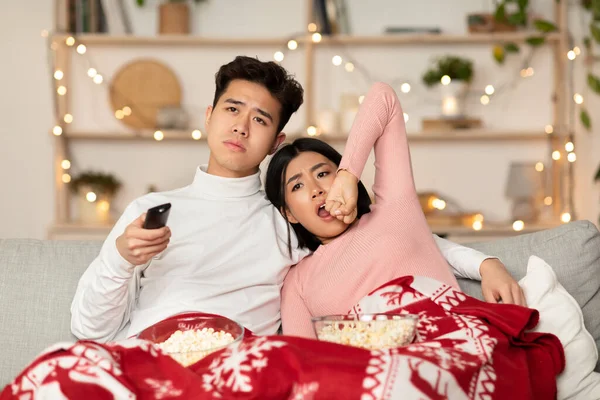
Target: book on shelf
{"x":96,"y":16}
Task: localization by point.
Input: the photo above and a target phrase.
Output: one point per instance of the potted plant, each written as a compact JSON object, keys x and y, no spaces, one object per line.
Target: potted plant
{"x":454,"y":75}
{"x":173,"y":16}
{"x":94,"y":191}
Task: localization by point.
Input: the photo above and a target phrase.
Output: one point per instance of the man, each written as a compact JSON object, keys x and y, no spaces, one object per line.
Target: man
{"x":224,"y":250}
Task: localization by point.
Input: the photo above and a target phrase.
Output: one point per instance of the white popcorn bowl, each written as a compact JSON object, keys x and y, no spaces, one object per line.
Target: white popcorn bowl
{"x":162,"y":330}
{"x":367,"y":331}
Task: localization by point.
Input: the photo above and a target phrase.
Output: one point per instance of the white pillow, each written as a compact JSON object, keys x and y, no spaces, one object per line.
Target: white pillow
{"x":560,"y":315}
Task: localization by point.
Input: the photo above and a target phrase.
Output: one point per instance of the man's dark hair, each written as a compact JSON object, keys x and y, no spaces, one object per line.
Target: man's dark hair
{"x":275,"y":185}
{"x":271,"y":75}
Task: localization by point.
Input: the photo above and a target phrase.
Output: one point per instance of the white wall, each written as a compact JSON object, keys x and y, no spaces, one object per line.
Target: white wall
{"x":459,"y":170}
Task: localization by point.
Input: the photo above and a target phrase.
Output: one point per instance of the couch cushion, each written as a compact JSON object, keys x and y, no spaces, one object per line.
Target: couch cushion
{"x":573,"y":251}
{"x":37,"y":283}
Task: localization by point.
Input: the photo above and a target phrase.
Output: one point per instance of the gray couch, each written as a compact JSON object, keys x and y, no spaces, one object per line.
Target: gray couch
{"x":38,"y":280}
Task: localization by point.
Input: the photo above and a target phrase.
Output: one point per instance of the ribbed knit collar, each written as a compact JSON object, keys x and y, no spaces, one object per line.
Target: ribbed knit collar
{"x":218,"y":186}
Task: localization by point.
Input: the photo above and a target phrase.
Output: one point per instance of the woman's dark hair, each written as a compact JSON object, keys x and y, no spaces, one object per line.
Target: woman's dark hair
{"x":269,"y":74}
{"x":275,"y":185}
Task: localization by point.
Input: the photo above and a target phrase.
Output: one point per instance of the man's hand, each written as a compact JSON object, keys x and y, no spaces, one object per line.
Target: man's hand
{"x":497,"y":284}
{"x":342,"y":197}
{"x":138,"y":245}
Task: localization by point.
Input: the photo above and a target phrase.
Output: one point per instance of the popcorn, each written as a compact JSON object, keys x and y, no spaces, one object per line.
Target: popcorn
{"x":370,"y":335}
{"x":188,"y":347}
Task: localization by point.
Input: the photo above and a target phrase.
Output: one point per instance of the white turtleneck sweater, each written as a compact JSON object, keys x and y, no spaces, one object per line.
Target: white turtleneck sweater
{"x":228,"y":255}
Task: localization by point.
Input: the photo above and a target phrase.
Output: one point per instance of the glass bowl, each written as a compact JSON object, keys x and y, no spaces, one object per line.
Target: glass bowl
{"x":200,"y":334}
{"x":367,"y":331}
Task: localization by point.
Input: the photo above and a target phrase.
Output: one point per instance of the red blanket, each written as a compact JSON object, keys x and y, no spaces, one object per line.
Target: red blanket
{"x":466,"y":349}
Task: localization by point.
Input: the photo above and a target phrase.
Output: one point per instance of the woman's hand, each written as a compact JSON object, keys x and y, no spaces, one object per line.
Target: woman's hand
{"x":342,"y":197}
{"x":497,"y":284}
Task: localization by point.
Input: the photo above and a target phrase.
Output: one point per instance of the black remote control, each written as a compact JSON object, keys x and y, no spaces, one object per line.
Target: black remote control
{"x":157,"y":216}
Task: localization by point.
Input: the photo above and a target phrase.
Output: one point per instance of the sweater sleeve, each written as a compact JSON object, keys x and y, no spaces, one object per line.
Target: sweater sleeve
{"x":295,"y":315}
{"x":106,"y":292}
{"x":464,"y":261}
{"x":379,"y":125}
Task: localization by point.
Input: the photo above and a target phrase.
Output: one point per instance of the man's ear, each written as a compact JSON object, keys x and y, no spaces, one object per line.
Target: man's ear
{"x":290,"y":216}
{"x":278,"y":140}
{"x":207,"y":116}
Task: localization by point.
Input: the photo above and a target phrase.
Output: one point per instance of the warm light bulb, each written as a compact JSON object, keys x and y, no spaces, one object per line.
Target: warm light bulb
{"x":292,"y":45}
{"x":312,"y":27}
{"x":70,"y":41}
{"x":126,"y":111}
{"x":196,"y":134}
{"x":539,"y":167}
{"x":58,"y":74}
{"x":349,"y":67}
{"x":556,"y":155}
{"x":65,"y":164}
{"x":158,"y":136}
{"x":337,"y":61}
{"x":578,"y":98}
{"x":576,"y":50}
{"x":518,"y":225}
{"x":571,"y":55}
{"x":98,"y":79}
{"x":489,"y":90}
{"x":405,"y":88}
{"x":44,"y":33}
{"x":405,"y":117}
{"x":569,"y":146}
{"x":477,"y":225}
{"x":81,"y":49}
{"x":92,"y":72}
{"x":361,"y":98}
{"x":445,"y":80}
{"x":549,"y":129}
{"x":530,"y":71}
{"x":485,"y":100}
{"x":119,"y":114}
{"x":565,"y":217}
{"x":57,"y":130}
{"x":316,"y":37}
{"x":61,"y":90}
{"x":571,"y":157}
{"x":91,"y":197}
{"x":438,"y":204}
{"x":103,"y":205}
{"x":68,"y":118}
{"x":66,"y":178}
{"x":548,"y":200}
{"x":278,"y":56}
{"x":311,"y":131}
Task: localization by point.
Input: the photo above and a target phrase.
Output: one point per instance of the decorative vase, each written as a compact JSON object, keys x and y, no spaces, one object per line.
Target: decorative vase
{"x":174,"y":18}
{"x":453,"y":99}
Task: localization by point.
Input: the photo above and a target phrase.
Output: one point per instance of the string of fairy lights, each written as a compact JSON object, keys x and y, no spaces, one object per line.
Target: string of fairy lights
{"x":350,"y":65}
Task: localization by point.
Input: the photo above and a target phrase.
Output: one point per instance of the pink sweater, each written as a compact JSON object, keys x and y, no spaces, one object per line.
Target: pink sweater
{"x":393,"y":240}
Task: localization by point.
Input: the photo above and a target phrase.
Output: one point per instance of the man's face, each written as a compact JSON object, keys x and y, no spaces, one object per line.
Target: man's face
{"x":242,"y":129}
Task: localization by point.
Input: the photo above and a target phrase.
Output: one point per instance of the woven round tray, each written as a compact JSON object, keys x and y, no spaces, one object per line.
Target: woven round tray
{"x":145,"y":86}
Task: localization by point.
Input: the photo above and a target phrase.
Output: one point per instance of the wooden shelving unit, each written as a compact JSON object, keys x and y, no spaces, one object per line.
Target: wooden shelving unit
{"x":557,"y":41}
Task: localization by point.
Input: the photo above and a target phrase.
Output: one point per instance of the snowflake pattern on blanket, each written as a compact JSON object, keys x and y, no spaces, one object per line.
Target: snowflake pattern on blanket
{"x":465,"y":349}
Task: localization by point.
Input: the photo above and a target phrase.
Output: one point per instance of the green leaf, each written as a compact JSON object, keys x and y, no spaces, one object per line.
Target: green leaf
{"x":585,"y":119}
{"x":544,"y":26}
{"x":499,"y":54}
{"x":595,"y":31}
{"x":597,"y":177}
{"x":594,"y":83}
{"x":518,"y":18}
{"x":587,"y":42}
{"x":535,"y":40}
{"x":523,"y":4}
{"x":500,"y":15}
{"x":140,"y":2}
{"x":511,"y":47}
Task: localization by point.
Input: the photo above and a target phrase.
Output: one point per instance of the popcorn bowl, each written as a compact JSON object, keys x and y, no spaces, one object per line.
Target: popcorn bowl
{"x":367,"y":331}
{"x":189,"y":337}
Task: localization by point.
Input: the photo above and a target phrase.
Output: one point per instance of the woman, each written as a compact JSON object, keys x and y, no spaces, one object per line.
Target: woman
{"x":358,"y":246}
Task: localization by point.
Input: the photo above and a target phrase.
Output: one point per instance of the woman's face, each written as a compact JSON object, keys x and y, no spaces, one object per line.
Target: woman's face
{"x":308,"y":179}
